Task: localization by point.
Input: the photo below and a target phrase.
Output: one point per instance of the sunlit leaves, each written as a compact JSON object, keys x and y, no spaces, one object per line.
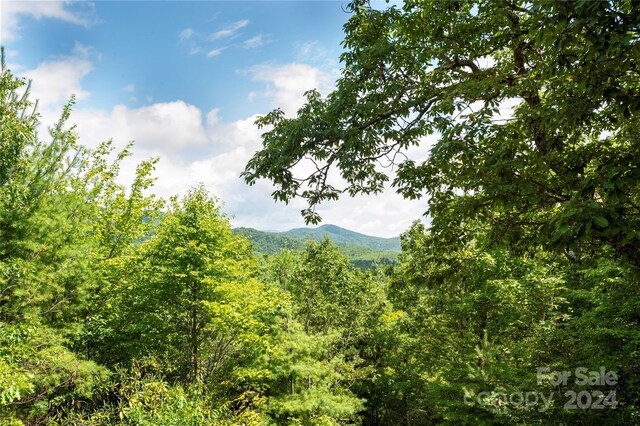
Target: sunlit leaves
{"x":454,"y":70}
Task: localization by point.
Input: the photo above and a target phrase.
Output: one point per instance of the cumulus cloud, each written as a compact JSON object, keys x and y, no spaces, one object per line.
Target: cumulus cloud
{"x":201,"y":147}
{"x":161,"y":128}
{"x":236,"y":133}
{"x":385,"y":215}
{"x":175,"y":131}
{"x":60,"y":10}
{"x":53,"y":82}
{"x":287,"y":84}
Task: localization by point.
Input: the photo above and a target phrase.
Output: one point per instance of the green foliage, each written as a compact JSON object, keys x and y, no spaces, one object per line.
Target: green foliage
{"x":270,"y":242}
{"x":560,"y":171}
{"x":187,"y":296}
{"x":319,"y":363}
{"x":367,"y":259}
{"x":146,"y":398}
{"x":330,"y":295}
{"x":481,"y":320}
{"x":478,"y":324}
{"x":115,"y":312}
{"x":52,"y":203}
{"x":532,"y":254}
{"x":308,"y":380}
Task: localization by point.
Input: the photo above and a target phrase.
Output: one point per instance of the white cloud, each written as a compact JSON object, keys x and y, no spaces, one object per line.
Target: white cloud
{"x":82,"y":50}
{"x":176,"y":131}
{"x":239,"y":133}
{"x":386,"y":214}
{"x":186,"y":34}
{"x":314,"y":53}
{"x":161,"y":129}
{"x":13,"y":10}
{"x":214,"y":44}
{"x":506,"y":109}
{"x":310,"y":51}
{"x":197,"y":147}
{"x":213,"y":117}
{"x":254,"y":42}
{"x":485,"y":62}
{"x":53,"y":82}
{"x":229,"y":31}
{"x":173,"y":131}
{"x":287,"y":84}
{"x":214,"y":52}
{"x":130,"y":88}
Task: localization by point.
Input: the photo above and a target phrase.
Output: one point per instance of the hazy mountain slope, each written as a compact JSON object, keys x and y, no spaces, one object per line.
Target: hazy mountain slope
{"x":364,"y":251}
{"x":344,"y":237}
{"x":270,"y":242}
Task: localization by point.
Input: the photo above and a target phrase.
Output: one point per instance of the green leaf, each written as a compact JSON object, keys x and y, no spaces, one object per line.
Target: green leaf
{"x":601,"y":221}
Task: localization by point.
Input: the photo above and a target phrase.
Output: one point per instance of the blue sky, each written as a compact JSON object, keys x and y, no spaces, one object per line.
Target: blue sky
{"x":186,"y":80}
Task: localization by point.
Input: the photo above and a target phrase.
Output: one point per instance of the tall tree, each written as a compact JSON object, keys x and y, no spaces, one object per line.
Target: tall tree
{"x":321,"y":364}
{"x":471,"y":330}
{"x":57,"y":202}
{"x":559,"y":170}
{"x":188,"y":297}
{"x":45,"y":262}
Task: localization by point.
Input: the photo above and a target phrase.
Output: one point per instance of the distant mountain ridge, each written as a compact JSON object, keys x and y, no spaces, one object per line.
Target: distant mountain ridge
{"x":341,"y":236}
{"x":365,"y":251}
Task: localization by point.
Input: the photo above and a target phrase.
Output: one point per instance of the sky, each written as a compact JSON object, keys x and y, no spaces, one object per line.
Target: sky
{"x":185,"y":81}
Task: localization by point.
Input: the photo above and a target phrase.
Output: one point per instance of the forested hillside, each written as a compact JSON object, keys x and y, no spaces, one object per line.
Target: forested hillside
{"x":518,"y":303}
{"x":363,"y":251}
{"x":344,"y":237}
{"x":270,"y":242}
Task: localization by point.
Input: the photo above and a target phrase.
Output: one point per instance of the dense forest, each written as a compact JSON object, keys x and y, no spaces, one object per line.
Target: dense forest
{"x":516,"y":302}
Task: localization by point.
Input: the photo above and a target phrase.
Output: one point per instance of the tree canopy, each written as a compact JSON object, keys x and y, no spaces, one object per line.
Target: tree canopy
{"x":116,"y":309}
{"x":559,"y":169}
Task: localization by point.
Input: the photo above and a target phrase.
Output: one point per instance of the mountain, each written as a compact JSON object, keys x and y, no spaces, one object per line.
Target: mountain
{"x":345,"y":237}
{"x":270,"y":242}
{"x":364,"y":251}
